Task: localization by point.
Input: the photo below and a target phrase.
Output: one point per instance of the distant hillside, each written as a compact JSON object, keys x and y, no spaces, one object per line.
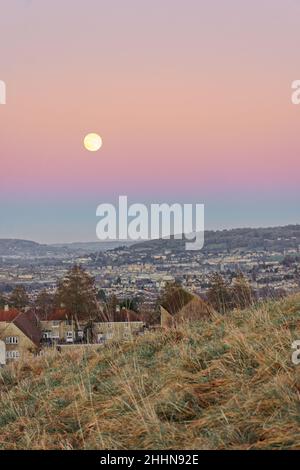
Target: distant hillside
{"x":24,"y":248}
{"x":228,"y":383}
{"x":30,"y":249}
{"x":273,"y":238}
{"x":92,"y":247}
{"x":265,"y":239}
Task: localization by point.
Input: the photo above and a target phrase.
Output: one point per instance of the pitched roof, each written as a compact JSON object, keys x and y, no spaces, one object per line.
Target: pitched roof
{"x":29,"y":328}
{"x":62,"y":314}
{"x":8,"y":315}
{"x":194,"y":310}
{"x":55,"y":315}
{"x":126,"y":315}
{"x":25,"y":322}
{"x":166,"y":319}
{"x":175,"y":299}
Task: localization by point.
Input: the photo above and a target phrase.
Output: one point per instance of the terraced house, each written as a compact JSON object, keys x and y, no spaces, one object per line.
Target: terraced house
{"x":124,"y":326}
{"x":61,"y":327}
{"x":23,"y":333}
{"x":20,"y":334}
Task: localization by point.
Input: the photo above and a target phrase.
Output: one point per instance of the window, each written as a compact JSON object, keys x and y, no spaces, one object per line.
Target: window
{"x":69,"y":336}
{"x":12,"y":354}
{"x":12,"y":340}
{"x":100,"y":337}
{"x":55,"y":323}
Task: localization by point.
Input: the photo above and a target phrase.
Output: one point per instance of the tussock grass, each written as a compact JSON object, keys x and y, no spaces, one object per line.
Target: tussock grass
{"x":224,"y":383}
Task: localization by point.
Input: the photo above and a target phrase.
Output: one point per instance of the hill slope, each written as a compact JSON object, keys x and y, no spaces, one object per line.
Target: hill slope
{"x":225,"y":384}
{"x":237,"y":239}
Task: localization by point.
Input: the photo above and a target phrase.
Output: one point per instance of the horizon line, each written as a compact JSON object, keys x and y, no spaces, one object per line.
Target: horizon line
{"x":150,"y":239}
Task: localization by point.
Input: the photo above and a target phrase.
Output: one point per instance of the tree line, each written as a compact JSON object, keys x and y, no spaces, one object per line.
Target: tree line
{"x":78,"y":295}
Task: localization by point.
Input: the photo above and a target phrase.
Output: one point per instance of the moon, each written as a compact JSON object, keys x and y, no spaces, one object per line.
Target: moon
{"x":92,"y":142}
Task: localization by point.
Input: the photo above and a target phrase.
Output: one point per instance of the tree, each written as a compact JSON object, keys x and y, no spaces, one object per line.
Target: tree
{"x":19,"y":298}
{"x":130,"y":304}
{"x":101,"y":295}
{"x":110,"y":307}
{"x":242,"y":294}
{"x":3,"y":301}
{"x":44,"y":302}
{"x":219,"y":295}
{"x":78,"y":294}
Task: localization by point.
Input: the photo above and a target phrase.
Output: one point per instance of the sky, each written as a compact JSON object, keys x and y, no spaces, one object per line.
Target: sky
{"x":191,"y":97}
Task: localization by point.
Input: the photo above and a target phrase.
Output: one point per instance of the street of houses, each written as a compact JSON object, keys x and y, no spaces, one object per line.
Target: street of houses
{"x":23,"y":333}
{"x":30,"y":332}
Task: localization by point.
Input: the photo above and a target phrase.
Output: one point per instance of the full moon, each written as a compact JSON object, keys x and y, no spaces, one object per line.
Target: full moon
{"x":92,"y":142}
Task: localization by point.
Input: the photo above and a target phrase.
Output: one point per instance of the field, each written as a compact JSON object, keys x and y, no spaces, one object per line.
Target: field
{"x":228,"y":383}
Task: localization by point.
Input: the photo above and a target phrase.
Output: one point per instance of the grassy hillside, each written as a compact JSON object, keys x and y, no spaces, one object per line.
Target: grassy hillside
{"x":225,"y":384}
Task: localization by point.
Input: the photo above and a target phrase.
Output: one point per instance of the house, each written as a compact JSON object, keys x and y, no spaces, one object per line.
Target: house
{"x":19,"y":332}
{"x":193,"y":309}
{"x":124,"y":326}
{"x":116,"y":331}
{"x":61,"y":327}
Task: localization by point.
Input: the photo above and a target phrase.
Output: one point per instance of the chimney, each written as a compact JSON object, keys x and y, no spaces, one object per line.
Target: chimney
{"x":6,"y":308}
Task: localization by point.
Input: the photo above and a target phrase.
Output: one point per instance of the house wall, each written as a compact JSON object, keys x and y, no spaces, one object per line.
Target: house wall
{"x":109,"y":330}
{"x":166,"y":319}
{"x":116,"y":331}
{"x":58,"y":329}
{"x":2,"y":353}
{"x":24,"y":345}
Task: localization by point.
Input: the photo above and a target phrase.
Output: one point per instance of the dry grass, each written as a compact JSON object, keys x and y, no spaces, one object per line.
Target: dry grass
{"x":228,"y":383}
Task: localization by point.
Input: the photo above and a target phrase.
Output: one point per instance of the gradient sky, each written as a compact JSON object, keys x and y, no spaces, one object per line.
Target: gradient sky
{"x":192,"y":99}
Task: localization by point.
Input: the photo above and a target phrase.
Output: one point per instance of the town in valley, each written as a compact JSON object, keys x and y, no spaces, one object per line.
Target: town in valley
{"x":128,"y":283}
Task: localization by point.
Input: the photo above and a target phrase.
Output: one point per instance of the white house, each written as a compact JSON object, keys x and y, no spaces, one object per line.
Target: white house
{"x":2,"y":353}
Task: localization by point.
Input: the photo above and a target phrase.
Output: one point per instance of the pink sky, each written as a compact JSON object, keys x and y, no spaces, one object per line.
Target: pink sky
{"x":192,"y":99}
